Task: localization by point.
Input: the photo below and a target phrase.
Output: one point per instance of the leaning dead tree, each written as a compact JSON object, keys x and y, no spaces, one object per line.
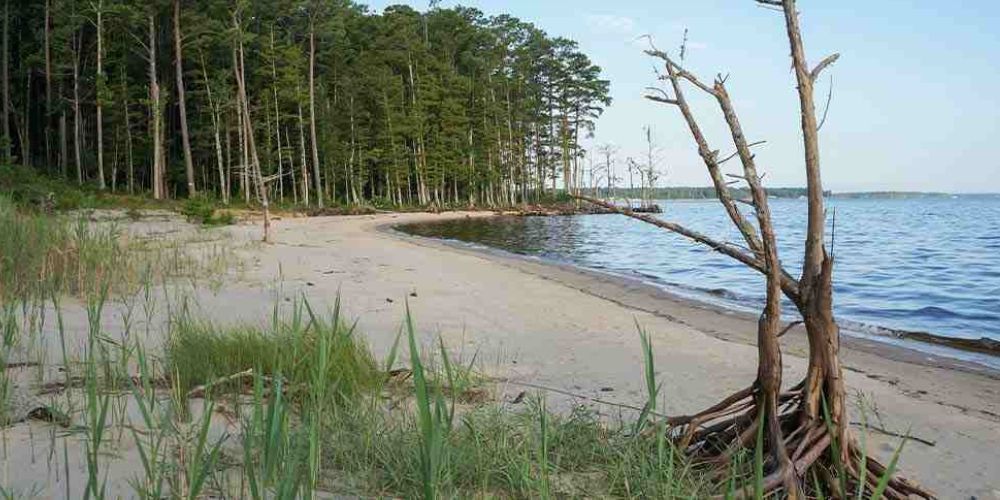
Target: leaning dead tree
{"x":806,"y":436}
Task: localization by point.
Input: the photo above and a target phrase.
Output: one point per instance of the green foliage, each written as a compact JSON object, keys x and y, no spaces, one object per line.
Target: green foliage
{"x":200,"y":352}
{"x":649,"y":375}
{"x":43,"y":254}
{"x":446,"y":106}
{"x":31,"y":190}
{"x":203,"y":210}
{"x":40,"y":254}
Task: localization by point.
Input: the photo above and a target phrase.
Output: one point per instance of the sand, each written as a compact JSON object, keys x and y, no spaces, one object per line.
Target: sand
{"x":532,"y":322}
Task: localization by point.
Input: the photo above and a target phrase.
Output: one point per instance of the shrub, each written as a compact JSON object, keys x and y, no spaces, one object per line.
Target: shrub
{"x":202,"y":210}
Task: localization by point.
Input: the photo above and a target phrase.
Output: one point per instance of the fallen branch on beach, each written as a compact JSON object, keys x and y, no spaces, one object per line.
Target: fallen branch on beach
{"x":579,"y":396}
{"x":887,"y":432}
{"x":200,"y":390}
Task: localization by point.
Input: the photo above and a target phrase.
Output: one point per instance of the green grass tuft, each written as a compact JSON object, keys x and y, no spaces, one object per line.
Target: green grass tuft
{"x":201,"y":352}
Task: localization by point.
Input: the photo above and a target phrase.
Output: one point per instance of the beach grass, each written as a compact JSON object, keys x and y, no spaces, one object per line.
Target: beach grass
{"x":298,"y":405}
{"x":312,"y":412}
{"x":43,"y":254}
{"x":307,"y":351}
{"x":315,"y":413}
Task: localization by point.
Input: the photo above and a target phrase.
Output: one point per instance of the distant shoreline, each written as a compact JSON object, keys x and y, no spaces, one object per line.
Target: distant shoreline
{"x":708,"y":193}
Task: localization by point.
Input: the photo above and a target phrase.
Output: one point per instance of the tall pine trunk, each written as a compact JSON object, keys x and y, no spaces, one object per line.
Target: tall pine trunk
{"x":302,"y":159}
{"x":5,"y":93}
{"x":98,"y":98}
{"x":312,"y":113}
{"x":76,"y":108}
{"x":214,"y":111}
{"x":247,"y":124}
{"x":47,"y":29}
{"x":157,"y":181}
{"x":181,"y":103}
{"x":128,"y":134}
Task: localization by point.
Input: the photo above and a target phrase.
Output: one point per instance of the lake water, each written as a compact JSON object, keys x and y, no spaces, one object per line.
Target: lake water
{"x":906,"y":265}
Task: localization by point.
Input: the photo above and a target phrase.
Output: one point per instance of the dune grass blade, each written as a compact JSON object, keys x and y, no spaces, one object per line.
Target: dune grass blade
{"x":758,"y":457}
{"x":431,"y":449}
{"x":835,"y":447}
{"x":649,"y":375}
{"x":883,"y":481}
{"x":320,"y":353}
{"x":863,"y":468}
{"x":543,"y":450}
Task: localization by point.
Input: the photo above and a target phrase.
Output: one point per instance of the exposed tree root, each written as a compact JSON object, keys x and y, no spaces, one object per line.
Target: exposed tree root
{"x":815,"y":458}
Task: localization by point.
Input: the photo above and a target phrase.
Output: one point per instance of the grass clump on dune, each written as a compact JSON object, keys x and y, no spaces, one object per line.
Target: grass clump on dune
{"x":300,"y":351}
{"x":42,"y":254}
{"x":45,"y":254}
{"x":360,"y":430}
{"x":499,"y":451}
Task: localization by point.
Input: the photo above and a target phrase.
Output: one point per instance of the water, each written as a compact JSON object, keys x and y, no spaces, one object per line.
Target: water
{"x":906,"y":265}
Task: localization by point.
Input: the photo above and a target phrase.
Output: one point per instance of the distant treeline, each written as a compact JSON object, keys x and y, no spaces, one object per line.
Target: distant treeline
{"x":707,"y":192}
{"x":325,"y":101}
{"x":699,"y":193}
{"x":880,"y":195}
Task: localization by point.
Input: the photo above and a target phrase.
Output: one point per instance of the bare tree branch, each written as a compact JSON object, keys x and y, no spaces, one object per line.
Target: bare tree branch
{"x":830,"y":59}
{"x":826,"y":108}
{"x":679,"y":70}
{"x":663,"y":97}
{"x":709,"y":156}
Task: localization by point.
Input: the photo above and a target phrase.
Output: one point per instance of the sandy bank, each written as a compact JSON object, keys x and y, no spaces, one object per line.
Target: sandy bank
{"x":560,"y":327}
{"x":557,"y":326}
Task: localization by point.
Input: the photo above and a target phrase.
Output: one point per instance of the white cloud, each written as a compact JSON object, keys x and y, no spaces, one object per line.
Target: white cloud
{"x":611,"y":24}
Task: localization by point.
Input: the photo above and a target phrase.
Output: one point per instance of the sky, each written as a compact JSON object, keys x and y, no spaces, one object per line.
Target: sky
{"x":916,"y":92}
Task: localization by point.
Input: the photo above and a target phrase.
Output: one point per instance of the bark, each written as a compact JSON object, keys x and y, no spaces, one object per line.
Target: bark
{"x":128,"y":134}
{"x":214,"y":111}
{"x":824,"y":374}
{"x":47,"y":29}
{"x":76,"y":109}
{"x":277,"y":120}
{"x":157,"y":182}
{"x":710,"y":157}
{"x":312,"y":114}
{"x":63,"y":155}
{"x":5,"y":93}
{"x":99,"y":94}
{"x":181,"y":102}
{"x":302,"y":159}
{"x":24,"y":130}
{"x":248,"y":132}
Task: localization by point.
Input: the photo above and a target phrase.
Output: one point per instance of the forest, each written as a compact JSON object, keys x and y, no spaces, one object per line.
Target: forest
{"x":308,"y":102}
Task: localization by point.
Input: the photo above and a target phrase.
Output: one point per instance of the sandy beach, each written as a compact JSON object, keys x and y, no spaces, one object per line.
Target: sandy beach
{"x":535,"y":324}
{"x":559,"y":327}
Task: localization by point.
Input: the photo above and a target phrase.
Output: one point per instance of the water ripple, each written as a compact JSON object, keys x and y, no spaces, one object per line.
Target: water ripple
{"x":927,"y":265}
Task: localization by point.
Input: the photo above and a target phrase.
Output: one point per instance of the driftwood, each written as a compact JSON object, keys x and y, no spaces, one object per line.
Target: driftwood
{"x":201,"y":390}
{"x":806,"y":427}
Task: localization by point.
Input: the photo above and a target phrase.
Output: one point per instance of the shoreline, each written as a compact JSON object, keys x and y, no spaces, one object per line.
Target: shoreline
{"x":537,"y":328}
{"x":638,"y":294}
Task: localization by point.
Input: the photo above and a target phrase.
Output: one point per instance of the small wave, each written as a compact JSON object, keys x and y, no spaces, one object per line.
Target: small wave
{"x":722,"y":292}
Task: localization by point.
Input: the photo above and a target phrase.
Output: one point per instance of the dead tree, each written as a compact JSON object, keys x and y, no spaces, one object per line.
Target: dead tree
{"x":807,"y":426}
{"x":247,"y":124}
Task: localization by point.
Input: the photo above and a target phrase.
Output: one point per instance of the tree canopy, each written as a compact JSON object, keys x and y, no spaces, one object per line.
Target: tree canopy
{"x":448,"y":106}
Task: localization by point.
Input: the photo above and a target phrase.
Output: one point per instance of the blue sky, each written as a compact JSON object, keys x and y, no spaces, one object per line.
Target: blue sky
{"x":916,"y":92}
